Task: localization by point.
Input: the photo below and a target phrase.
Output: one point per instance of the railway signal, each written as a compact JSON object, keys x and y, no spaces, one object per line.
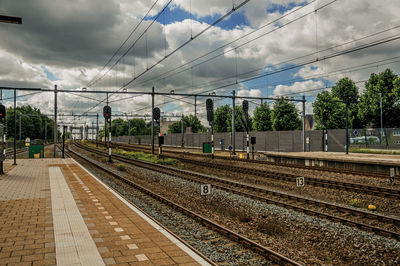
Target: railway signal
{"x":210,"y":118}
{"x":245,"y":107}
{"x":157,"y":114}
{"x":107,"y":112}
{"x":210,"y":110}
{"x":2,"y":113}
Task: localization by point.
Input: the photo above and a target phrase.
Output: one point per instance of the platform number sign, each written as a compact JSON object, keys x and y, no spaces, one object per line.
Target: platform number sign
{"x":392,"y":174}
{"x":205,"y":189}
{"x":300,"y":181}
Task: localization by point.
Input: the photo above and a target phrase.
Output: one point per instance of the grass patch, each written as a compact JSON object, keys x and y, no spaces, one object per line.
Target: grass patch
{"x":272,"y":227}
{"x":224,"y":208}
{"x":146,"y":157}
{"x":366,"y":150}
{"x":121,"y":167}
{"x":355,"y":203}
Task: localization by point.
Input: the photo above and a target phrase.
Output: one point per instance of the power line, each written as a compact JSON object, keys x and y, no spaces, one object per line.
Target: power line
{"x":292,"y":59}
{"x":350,"y":50}
{"x":94,"y":80}
{"x":161,"y":76}
{"x":181,"y":46}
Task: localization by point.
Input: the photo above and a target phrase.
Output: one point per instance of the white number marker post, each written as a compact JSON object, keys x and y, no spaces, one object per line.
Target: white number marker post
{"x":205,"y":189}
{"x":392,"y":173}
{"x":300,"y":181}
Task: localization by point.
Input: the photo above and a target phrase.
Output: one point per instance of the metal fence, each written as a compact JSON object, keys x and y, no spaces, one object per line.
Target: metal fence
{"x":284,"y":141}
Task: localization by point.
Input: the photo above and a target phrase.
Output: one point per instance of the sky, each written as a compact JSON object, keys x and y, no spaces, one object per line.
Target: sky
{"x":263,"y":49}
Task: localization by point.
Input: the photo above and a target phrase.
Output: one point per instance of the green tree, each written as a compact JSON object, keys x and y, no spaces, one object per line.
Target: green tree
{"x":188,"y":121}
{"x":284,"y":115}
{"x":262,"y":118}
{"x":119,"y":127}
{"x":239,"y":120}
{"x":138,"y":127}
{"x":328,"y":113}
{"x":347,"y":91}
{"x":222,"y":118}
{"x":32,"y":123}
{"x":387,"y":84}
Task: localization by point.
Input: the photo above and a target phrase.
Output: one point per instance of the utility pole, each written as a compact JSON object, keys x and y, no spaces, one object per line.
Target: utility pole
{"x":20,"y":127}
{"x":303,"y":133}
{"x":63,"y":141}
{"x":380,"y":95}
{"x":347,"y":129}
{"x":152,"y":120}
{"x":15,"y":127}
{"x":97,"y":130}
{"x":195,"y":106}
{"x":233,"y":140}
{"x":45,"y":130}
{"x":55,"y":120}
{"x":129,"y":130}
{"x":183,"y":134}
{"x":105,"y":128}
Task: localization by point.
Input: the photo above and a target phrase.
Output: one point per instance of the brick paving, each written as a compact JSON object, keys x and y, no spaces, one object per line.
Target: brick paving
{"x":120,"y":235}
{"x":26,"y":223}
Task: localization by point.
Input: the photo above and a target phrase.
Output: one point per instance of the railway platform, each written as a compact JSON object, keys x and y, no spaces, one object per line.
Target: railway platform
{"x":53,"y":211}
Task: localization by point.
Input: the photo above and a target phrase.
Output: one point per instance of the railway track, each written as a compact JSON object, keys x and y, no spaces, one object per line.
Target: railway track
{"x":314,"y":181}
{"x":134,"y":147}
{"x":358,"y":218}
{"x":18,"y":151}
{"x":233,"y":236}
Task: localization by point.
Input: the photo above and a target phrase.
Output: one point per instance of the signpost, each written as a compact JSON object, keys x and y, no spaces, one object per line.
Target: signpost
{"x":205,"y":189}
{"x":27,"y":142}
{"x":392,"y":174}
{"x":300,"y":181}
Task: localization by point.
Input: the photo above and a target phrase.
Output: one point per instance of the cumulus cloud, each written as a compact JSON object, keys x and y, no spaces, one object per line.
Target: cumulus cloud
{"x":304,"y":87}
{"x":73,"y":42}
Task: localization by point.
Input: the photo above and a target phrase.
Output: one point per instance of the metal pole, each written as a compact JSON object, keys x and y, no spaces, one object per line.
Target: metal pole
{"x":183,"y":134}
{"x":233,"y":140}
{"x":195,"y":106}
{"x":347,"y":130}
{"x":129,"y":131}
{"x":212,"y":141}
{"x":63,"y":142}
{"x":20,"y":127}
{"x":109,"y":142}
{"x":4,"y":146}
{"x":45,"y":130}
{"x":380,"y":95}
{"x":152,"y":120}
{"x":15,"y":127}
{"x":55,"y":121}
{"x":303,"y":136}
{"x":97,"y":130}
{"x":105,"y":128}
{"x":248,"y":144}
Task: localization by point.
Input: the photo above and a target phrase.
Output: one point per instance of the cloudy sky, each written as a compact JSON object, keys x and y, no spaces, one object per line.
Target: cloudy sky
{"x":266,"y":48}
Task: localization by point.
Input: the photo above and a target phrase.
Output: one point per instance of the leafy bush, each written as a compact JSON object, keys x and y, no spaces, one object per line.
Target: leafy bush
{"x":121,"y":167}
{"x":355,"y":202}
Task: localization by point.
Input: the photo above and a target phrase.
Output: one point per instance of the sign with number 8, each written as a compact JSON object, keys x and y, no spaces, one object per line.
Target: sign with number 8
{"x":205,"y":189}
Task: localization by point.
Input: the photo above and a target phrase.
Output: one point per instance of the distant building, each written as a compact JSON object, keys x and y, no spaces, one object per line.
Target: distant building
{"x":164,"y":124}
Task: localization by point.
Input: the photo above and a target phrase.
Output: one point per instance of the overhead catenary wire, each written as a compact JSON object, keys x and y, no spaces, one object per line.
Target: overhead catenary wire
{"x":179,"y":47}
{"x":358,"y":48}
{"x":161,"y":76}
{"x":123,"y":43}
